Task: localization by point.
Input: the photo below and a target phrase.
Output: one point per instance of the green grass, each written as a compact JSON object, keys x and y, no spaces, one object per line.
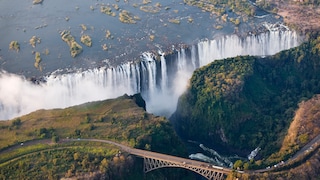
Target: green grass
{"x":56,"y":161}
{"x":22,"y":151}
{"x":120,"y":120}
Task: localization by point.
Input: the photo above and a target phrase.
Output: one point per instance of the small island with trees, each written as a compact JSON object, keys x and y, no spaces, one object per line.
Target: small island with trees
{"x":75,"y":48}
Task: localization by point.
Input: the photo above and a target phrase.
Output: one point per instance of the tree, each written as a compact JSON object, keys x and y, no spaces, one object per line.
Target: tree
{"x":238,"y":164}
{"x":76,"y":156}
{"x":246,"y":166}
{"x":16,"y":123}
{"x":55,"y":139}
{"x":104,"y":165}
{"x":147,"y":147}
{"x":77,"y":132}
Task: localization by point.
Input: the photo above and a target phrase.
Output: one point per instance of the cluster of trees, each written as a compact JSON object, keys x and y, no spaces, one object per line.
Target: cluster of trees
{"x":123,"y":120}
{"x":309,"y":2}
{"x":271,"y":6}
{"x":248,"y":102}
{"x":16,"y":124}
{"x":220,"y":7}
{"x":70,"y":162}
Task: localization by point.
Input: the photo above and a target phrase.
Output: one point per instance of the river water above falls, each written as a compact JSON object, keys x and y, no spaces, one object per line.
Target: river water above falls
{"x":20,"y":20}
{"x":133,"y":62}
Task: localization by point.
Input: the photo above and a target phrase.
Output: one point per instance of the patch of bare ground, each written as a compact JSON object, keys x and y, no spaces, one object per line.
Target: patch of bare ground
{"x":302,"y":17}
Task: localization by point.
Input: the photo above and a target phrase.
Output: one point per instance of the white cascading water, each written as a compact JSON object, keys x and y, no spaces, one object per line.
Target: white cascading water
{"x":160,"y":82}
{"x":164,"y":74}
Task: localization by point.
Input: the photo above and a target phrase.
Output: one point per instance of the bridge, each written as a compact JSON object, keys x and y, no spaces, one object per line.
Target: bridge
{"x":153,"y":161}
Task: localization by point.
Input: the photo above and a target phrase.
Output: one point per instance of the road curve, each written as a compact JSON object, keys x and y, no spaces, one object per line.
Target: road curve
{"x":164,"y":157}
{"x":314,"y":143}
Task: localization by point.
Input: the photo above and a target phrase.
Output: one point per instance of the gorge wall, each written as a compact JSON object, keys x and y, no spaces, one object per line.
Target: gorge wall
{"x":248,"y":102}
{"x":161,"y":78}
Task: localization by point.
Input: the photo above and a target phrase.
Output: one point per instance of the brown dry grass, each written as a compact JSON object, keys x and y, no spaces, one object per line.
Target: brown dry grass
{"x":303,"y":17}
{"x":306,"y":123}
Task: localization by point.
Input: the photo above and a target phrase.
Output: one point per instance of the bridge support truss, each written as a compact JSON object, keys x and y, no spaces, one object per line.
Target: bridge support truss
{"x":207,"y":172}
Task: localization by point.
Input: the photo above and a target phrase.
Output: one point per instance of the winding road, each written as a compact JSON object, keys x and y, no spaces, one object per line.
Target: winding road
{"x":173,"y":160}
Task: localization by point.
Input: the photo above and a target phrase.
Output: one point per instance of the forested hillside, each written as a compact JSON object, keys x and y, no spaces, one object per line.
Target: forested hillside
{"x":247,"y":102}
{"x":122,"y":120}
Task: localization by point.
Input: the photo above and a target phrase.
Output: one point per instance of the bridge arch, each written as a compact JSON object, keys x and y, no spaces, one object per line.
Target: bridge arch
{"x":151,"y":164}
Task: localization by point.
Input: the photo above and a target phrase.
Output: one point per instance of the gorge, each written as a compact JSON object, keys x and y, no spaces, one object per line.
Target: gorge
{"x":234,"y":84}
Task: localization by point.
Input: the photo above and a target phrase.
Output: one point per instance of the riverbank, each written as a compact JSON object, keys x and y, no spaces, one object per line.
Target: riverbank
{"x":302,"y":17}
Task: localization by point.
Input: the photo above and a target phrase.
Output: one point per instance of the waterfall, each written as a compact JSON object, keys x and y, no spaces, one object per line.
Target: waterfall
{"x":164,"y":74}
{"x":160,"y":78}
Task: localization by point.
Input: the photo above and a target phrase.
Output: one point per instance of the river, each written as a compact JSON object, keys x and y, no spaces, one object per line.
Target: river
{"x":20,"y":20}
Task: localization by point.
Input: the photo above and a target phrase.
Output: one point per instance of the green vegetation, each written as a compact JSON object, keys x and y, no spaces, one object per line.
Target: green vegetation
{"x":75,"y":161}
{"x":14,"y":45}
{"x":84,"y":27}
{"x":124,"y":16}
{"x":238,"y":164}
{"x":107,"y":10}
{"x":41,"y":26}
{"x":46,"y":51}
{"x":37,"y":59}
{"x":105,"y":47}
{"x":37,"y":1}
{"x":220,"y":7}
{"x":175,"y":21}
{"x":127,"y":17}
{"x":5,"y":158}
{"x":151,"y":37}
{"x":86,"y":40}
{"x":108,"y":35}
{"x":116,"y":7}
{"x":75,"y":48}
{"x":247,"y":102}
{"x":34,"y":40}
{"x":306,"y":166}
{"x":303,"y":128}
{"x":150,"y":9}
{"x":123,"y":120}
{"x":218,"y":27}
{"x":16,"y":123}
{"x":239,"y":11}
{"x":146,"y":1}
{"x":235,"y":21}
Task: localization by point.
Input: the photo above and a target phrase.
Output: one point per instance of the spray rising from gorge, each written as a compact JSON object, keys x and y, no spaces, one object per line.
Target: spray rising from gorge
{"x":160,"y":78}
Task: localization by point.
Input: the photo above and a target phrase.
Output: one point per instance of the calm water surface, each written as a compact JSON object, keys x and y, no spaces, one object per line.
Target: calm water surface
{"x":20,"y":20}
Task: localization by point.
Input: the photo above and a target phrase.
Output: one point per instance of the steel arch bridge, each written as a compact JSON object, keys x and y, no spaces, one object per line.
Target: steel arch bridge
{"x":208,"y":172}
{"x":154,"y":160}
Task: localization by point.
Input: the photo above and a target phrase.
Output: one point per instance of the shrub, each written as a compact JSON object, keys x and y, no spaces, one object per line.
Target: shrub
{"x":14,"y":45}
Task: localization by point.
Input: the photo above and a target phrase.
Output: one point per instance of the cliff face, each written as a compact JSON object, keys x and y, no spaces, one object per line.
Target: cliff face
{"x":248,"y":102}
